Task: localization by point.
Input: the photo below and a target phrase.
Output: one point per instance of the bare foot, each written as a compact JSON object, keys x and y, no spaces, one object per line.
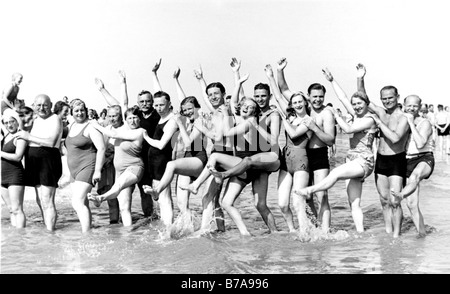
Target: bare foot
{"x":149,"y":190}
{"x":96,"y":199}
{"x":99,"y":84}
{"x":189,"y":188}
{"x":218,"y":176}
{"x":304,"y":193}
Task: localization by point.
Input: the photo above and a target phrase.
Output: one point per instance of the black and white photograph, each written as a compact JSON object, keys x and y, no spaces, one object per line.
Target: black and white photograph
{"x":226,"y":142}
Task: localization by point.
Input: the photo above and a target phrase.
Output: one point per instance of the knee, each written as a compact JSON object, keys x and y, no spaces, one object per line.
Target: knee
{"x":248,"y":162}
{"x":284,"y":208}
{"x":261,"y":207}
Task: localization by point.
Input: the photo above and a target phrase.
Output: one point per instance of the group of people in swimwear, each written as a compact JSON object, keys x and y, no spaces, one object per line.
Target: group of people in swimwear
{"x":227,"y":141}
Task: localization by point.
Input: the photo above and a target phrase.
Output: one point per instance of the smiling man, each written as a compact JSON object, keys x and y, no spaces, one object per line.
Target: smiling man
{"x":390,"y":165}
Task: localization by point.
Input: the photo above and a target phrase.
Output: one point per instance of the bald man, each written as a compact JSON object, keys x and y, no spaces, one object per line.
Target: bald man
{"x":43,"y":166}
{"x":420,"y":159}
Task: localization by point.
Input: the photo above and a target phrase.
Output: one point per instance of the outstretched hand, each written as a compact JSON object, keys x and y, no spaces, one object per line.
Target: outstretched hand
{"x":198,"y":73}
{"x":156,"y":66}
{"x":269,"y":71}
{"x":282,"y":63}
{"x":361,"y":71}
{"x":327,"y":74}
{"x":99,"y":84}
{"x":176,"y":74}
{"x":122,"y":75}
{"x":235,"y":64}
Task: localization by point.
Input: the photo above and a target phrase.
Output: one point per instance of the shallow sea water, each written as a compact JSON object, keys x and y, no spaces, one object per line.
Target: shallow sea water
{"x":146,"y":248}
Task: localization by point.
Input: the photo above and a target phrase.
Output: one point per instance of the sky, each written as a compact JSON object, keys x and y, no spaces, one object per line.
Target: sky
{"x":60,"y":47}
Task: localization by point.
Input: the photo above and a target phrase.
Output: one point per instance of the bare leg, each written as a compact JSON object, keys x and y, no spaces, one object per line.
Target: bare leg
{"x":285,"y":181}
{"x":324,"y":215}
{"x":211,"y":207}
{"x":165,"y":204}
{"x":382,"y":184}
{"x":81,"y":205}
{"x":301,"y":179}
{"x":259,"y":186}
{"x":354,"y":190}
{"x":234,"y":188}
{"x":16,"y":195}
{"x":125,"y":200}
{"x":47,"y":199}
{"x":396,"y":184}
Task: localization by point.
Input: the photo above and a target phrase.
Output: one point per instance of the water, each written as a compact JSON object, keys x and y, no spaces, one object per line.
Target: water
{"x":146,"y":248}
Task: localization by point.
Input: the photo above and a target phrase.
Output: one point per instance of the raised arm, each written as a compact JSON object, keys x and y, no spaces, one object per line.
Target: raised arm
{"x":123,"y":90}
{"x":204,"y":102}
{"x":155,"y":80}
{"x":235,"y":96}
{"x":282,"y":80}
{"x":180,"y":93}
{"x":339,"y":92}
{"x":279,"y":100}
{"x":360,"y":74}
{"x":235,"y":66}
{"x":111,"y":100}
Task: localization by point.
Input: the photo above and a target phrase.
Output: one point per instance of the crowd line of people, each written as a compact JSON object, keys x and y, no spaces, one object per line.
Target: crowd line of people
{"x":226,"y":140}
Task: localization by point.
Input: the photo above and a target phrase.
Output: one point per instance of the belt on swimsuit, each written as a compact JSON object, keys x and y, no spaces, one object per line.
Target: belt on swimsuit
{"x":415,"y":155}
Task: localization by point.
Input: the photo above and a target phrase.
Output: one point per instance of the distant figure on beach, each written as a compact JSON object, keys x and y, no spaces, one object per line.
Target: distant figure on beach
{"x":9,"y":94}
{"x":43,"y":166}
{"x":359,"y":162}
{"x":390,"y":165}
{"x":420,"y":159}
{"x":323,"y":126}
{"x":442,"y":124}
{"x":85,"y":157}
{"x":13,"y":173}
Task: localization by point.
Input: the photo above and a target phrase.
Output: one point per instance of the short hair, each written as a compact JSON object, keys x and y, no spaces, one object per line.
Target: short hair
{"x":117,"y":108}
{"x":59,"y":105}
{"x":77,"y":102}
{"x":189,"y":99}
{"x":262,"y":86}
{"x":243,"y":99}
{"x":144,"y":92}
{"x":316,"y":86}
{"x":160,"y":94}
{"x":361,"y":95}
{"x":216,"y":85}
{"x":134,"y":110}
{"x":290,"y":110}
{"x":387,"y":88}
{"x":440,"y":106}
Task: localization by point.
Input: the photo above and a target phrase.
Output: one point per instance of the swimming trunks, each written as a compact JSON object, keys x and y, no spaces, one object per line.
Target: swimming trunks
{"x":445,"y":132}
{"x":391,"y":165}
{"x":43,"y":166}
{"x":13,"y":173}
{"x":81,"y":157}
{"x":318,"y":158}
{"x":413,"y":161}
